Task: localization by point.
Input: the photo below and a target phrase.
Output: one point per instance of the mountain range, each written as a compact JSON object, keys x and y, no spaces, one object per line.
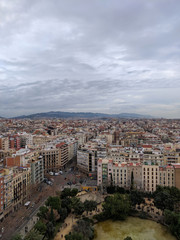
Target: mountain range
{"x":85,"y":115}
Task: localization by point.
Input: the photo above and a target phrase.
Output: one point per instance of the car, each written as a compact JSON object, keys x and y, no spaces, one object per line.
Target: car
{"x":49,"y":183}
{"x":56,"y":174}
{"x":60,"y":172}
{"x":33,"y":204}
{"x":45,"y":180}
{"x":51,"y":173}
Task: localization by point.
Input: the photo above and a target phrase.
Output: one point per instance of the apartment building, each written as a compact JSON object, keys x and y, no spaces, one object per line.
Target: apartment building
{"x":72,"y":149}
{"x":119,"y":174}
{"x":150,"y":177}
{"x":87,"y":160}
{"x":167,"y":176}
{"x":37,"y":170}
{"x":171,"y":158}
{"x":145,"y":177}
{"x":136,"y":170}
{"x":21,"y":186}
{"x":4,"y":143}
{"x":63,"y":148}
{"x":177,"y":175}
{"x":51,"y":159}
{"x":8,"y":190}
{"x":1,"y":197}
{"x":152,"y":158}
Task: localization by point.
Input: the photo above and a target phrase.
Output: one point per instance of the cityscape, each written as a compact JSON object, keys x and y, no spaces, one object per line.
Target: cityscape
{"x":89,"y":120}
{"x":42,"y":157}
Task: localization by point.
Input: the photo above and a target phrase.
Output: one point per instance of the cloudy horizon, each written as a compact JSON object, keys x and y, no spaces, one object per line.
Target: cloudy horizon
{"x":90,"y":56}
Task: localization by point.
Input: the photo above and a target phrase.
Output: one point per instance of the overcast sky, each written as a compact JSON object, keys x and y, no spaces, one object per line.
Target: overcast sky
{"x":108,"y":56}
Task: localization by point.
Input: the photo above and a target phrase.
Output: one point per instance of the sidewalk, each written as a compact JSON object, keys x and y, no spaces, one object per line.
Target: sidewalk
{"x":66,"y":227}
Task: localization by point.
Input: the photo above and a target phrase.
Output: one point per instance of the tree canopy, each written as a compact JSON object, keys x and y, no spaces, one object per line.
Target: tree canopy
{"x":54,"y":202}
{"x":117,"y":206}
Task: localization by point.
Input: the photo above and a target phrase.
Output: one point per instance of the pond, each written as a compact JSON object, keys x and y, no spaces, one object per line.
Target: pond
{"x":136,"y":228}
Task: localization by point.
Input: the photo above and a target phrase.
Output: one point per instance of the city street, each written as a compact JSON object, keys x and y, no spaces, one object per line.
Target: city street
{"x":15,"y":220}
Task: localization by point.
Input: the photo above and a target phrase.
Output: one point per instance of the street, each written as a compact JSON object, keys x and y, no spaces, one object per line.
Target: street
{"x":15,"y":220}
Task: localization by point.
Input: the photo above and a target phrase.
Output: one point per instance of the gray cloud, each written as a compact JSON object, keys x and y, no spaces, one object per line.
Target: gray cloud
{"x":108,"y":56}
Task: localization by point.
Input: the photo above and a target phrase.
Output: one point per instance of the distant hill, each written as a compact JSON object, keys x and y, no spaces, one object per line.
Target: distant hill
{"x":82,"y":115}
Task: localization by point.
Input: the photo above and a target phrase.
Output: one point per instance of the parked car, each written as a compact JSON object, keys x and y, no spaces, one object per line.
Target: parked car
{"x":45,"y":180}
{"x":56,"y":174}
{"x":60,"y":172}
{"x":49,"y":183}
{"x":51,"y":173}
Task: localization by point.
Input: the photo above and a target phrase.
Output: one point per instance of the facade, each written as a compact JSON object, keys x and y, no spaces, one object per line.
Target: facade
{"x":177,"y":175}
{"x":51,"y":159}
{"x":37,"y":170}
{"x":150,"y":177}
{"x":145,"y":177}
{"x":72,"y":149}
{"x":4,"y":143}
{"x":21,"y":186}
{"x":63,"y":149}
{"x":87,"y":160}
{"x":167,"y":176}
{"x":8,"y":191}
{"x":1,"y":197}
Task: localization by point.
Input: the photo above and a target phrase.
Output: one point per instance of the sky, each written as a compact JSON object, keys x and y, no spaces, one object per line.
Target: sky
{"x":108,"y":56}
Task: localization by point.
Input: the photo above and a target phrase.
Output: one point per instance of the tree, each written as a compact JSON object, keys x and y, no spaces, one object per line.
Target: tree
{"x":83,"y":226}
{"x":120,"y":190}
{"x":74,"y":236}
{"x":128,"y":238}
{"x":90,"y":205}
{"x":173,"y":220}
{"x":164,"y":200}
{"x":166,"y":197}
{"x":66,"y":203}
{"x":54,"y":202}
{"x":132,"y":180}
{"x":40,"y":227}
{"x":111,"y":189}
{"x":74,"y":192}
{"x":17,"y":237}
{"x":117,"y":206}
{"x":50,"y":230}
{"x":42,"y":212}
{"x":52,"y":216}
{"x":136,"y":197}
{"x":63,"y":213}
{"x":32,"y":235}
{"x":77,"y":206}
{"x":66,"y":193}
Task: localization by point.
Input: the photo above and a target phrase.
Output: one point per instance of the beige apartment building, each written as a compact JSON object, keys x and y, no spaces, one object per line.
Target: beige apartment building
{"x":55,"y":159}
{"x":63,"y":149}
{"x":150,"y":177}
{"x":8,"y":190}
{"x":120,"y":175}
{"x":87,"y":160}
{"x":145,"y":177}
{"x":136,"y":169}
{"x":177,"y":175}
{"x":4,"y":143}
{"x":167,"y":176}
{"x":37,"y":170}
{"x":171,"y":158}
